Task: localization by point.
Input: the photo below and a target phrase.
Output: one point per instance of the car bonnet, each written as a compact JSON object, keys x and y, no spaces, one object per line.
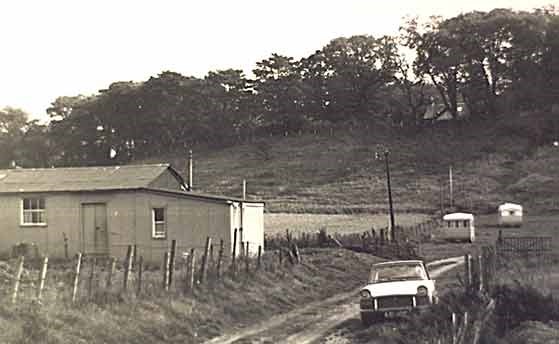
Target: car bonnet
{"x":398,"y":287}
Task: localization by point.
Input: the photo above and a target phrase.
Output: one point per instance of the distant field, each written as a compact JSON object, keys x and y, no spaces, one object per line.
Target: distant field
{"x":334,"y":223}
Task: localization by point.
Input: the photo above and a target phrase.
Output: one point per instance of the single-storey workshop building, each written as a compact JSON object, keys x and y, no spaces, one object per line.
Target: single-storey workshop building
{"x":102,"y":210}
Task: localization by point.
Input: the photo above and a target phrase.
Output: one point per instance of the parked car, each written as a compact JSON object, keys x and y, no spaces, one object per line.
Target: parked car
{"x":396,"y":288}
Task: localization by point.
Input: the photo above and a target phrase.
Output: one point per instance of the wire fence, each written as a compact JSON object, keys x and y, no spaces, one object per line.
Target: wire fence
{"x":181,"y":269}
{"x":374,"y":241}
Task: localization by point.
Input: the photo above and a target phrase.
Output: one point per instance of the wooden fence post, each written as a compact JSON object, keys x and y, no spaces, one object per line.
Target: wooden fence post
{"x":17,"y":281}
{"x":233,"y":257}
{"x":127,"y":267}
{"x":111,"y":272}
{"x":453,"y":328}
{"x":91,"y":277}
{"x":259,"y":257}
{"x":172,"y":260}
{"x":481,"y":281}
{"x":467,"y":273}
{"x":465,"y":324}
{"x":166,"y":261}
{"x":42,"y":278}
{"x":204,"y":270}
{"x":140,"y":272}
{"x":219,"y":260}
{"x":191,"y":270}
{"x":77,"y":277}
{"x":134,"y":252}
{"x":296,"y":253}
{"x":489,"y":268}
{"x":186,"y":260}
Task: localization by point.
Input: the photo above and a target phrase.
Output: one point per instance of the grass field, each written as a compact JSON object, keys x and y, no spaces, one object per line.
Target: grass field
{"x":334,"y":223}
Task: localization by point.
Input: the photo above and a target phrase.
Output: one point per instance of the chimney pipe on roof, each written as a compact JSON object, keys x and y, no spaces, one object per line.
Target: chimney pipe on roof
{"x":244,"y":189}
{"x":190,"y":170}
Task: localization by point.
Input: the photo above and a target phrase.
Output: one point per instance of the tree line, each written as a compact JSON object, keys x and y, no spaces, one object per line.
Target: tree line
{"x":494,"y":63}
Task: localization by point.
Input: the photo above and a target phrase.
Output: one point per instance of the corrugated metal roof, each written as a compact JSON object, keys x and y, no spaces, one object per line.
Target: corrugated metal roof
{"x":79,"y":178}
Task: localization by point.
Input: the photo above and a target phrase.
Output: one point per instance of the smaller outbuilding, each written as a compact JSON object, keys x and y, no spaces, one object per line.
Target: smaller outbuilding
{"x":458,"y":226}
{"x":509,"y":214}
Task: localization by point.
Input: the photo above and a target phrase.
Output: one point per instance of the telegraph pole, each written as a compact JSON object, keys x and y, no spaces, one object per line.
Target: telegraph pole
{"x":451,"y":188}
{"x":391,"y":208}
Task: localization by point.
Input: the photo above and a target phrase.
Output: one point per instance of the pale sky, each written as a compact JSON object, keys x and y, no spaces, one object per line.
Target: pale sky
{"x":69,"y":47}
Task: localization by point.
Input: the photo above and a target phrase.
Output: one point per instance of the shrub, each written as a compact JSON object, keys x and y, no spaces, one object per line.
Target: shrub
{"x":519,"y":303}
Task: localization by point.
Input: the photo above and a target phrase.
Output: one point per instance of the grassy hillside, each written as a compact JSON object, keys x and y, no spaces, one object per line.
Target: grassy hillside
{"x":338,"y":173}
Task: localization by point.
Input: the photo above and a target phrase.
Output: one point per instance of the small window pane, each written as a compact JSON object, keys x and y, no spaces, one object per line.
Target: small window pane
{"x":160,"y":229}
{"x":159,"y":214}
{"x":41,"y":203}
{"x":26,"y":217}
{"x":26,"y":203}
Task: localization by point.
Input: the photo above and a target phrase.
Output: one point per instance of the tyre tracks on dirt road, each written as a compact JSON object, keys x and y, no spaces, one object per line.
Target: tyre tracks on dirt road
{"x":311,"y":322}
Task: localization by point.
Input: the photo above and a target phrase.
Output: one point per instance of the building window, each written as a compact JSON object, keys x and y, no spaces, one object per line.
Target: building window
{"x":33,"y":211}
{"x":466,"y":223}
{"x":159,"y":230}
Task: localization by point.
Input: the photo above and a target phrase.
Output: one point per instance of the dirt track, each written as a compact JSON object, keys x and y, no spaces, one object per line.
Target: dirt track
{"x":311,"y":323}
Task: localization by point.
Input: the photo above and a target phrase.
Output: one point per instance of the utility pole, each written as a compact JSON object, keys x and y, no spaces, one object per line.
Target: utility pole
{"x":392,"y":224}
{"x":450,"y":181}
{"x":190,"y":169}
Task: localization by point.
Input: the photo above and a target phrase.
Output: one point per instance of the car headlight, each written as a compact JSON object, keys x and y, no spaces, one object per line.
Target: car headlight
{"x":422,"y":291}
{"x":365,"y":294}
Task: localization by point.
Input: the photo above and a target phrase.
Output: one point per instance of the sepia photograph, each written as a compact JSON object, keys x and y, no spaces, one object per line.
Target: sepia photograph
{"x":293,"y":172}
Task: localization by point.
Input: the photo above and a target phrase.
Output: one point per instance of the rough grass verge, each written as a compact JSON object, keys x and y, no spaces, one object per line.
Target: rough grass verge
{"x":170,"y":317}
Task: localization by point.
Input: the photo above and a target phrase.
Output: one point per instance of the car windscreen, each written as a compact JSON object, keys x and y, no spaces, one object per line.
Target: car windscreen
{"x":397,"y":272}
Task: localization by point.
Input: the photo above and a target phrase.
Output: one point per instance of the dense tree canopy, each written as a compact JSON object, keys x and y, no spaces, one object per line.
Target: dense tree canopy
{"x":495,"y":62}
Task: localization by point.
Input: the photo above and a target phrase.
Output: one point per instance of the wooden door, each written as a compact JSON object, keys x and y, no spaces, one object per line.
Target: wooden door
{"x":95,"y":231}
